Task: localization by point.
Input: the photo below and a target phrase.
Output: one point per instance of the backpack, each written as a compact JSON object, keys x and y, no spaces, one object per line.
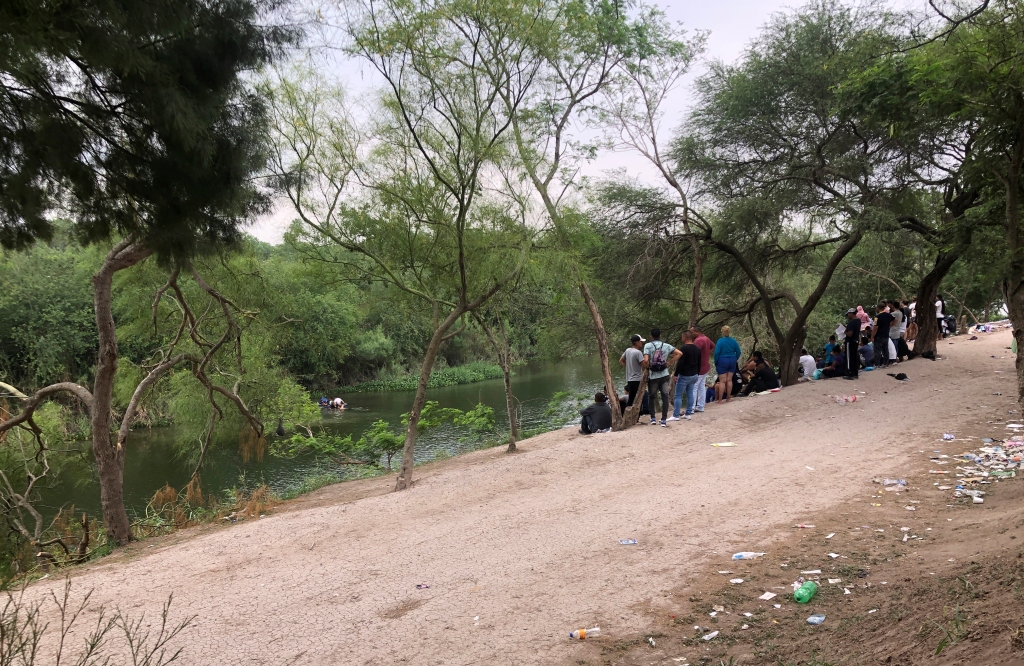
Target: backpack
{"x":658,"y":362}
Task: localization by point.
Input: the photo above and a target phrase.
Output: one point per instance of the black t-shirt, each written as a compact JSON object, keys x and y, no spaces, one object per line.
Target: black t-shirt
{"x":884,"y":322}
{"x":767,"y":375}
{"x":600,"y":414}
{"x":688,"y":364}
{"x":852,"y":324}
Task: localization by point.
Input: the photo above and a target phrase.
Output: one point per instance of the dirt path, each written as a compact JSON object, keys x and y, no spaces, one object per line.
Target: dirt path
{"x":519,"y":550}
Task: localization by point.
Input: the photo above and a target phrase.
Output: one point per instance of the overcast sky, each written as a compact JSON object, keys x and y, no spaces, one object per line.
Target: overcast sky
{"x":731,"y":25}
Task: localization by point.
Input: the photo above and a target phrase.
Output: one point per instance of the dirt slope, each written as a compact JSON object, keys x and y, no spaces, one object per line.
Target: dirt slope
{"x":518,"y":550}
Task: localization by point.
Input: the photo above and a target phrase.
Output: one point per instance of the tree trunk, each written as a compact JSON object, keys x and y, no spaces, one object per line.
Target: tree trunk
{"x":110,"y":457}
{"x":632,"y":414}
{"x":698,"y":278}
{"x":602,"y":349}
{"x":927,"y":293}
{"x":1014,"y":284}
{"x":510,"y":405}
{"x":789,"y":357}
{"x":404,"y":480}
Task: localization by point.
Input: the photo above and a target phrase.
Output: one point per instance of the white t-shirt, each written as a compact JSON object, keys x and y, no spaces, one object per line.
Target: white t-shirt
{"x":938,"y":309}
{"x":808,"y":364}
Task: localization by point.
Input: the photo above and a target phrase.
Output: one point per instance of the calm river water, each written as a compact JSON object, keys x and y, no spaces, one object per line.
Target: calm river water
{"x":151,"y":461}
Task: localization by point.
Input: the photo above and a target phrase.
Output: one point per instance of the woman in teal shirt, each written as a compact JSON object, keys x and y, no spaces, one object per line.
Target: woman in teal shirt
{"x":727,"y":356}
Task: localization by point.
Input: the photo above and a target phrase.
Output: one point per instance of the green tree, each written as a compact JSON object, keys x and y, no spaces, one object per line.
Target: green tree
{"x":136,"y":118}
{"x":788,"y":169}
{"x":406,"y":206}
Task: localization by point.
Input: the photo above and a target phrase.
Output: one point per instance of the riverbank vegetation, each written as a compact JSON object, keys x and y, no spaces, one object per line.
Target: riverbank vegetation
{"x":442,"y":228}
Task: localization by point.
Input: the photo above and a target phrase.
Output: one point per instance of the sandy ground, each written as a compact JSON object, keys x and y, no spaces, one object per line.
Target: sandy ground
{"x":519,"y":550}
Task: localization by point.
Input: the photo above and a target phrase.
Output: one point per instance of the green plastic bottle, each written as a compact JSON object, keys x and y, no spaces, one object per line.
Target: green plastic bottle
{"x":806,"y":592}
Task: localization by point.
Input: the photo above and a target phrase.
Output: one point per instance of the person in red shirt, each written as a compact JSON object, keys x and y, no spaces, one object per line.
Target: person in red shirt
{"x":706,"y":347}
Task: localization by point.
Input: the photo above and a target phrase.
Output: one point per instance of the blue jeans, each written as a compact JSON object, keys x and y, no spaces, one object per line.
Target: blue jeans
{"x":684,"y":386}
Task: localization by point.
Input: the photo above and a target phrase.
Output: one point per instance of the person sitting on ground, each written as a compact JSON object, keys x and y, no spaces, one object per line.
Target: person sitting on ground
{"x":837,"y":368}
{"x":867,"y":352}
{"x":597,"y":417}
{"x":807,"y":364}
{"x":830,"y":348}
{"x":764,"y":378}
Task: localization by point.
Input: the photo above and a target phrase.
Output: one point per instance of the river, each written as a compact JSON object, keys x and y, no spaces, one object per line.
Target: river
{"x":151,"y":462}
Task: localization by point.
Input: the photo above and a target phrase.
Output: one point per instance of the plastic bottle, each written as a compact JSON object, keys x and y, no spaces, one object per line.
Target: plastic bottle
{"x":806,"y":592}
{"x":581,"y":634}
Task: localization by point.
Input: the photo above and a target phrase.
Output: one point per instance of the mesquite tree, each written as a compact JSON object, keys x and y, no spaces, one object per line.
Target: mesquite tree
{"x":413,"y":201}
{"x":133,"y":118}
{"x":773,"y":146}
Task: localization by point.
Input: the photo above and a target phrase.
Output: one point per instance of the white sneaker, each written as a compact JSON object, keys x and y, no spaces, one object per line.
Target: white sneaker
{"x":687,"y":417}
{"x":673,"y":418}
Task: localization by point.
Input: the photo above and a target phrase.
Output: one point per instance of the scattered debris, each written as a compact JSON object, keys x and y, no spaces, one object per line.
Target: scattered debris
{"x":627,"y":542}
{"x":816,"y":619}
{"x":422,"y":586}
{"x":747,"y":555}
{"x":708,"y":637}
{"x":768,"y":596}
{"x":581,"y":634}
{"x":723,"y":444}
{"x":736,"y":581}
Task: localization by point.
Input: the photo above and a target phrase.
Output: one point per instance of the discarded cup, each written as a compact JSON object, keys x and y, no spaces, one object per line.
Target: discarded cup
{"x":581,"y":634}
{"x":747,"y":555}
{"x":816,"y":619}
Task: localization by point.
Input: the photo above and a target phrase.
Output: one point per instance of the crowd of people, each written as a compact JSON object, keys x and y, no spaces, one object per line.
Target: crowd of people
{"x":678,"y":375}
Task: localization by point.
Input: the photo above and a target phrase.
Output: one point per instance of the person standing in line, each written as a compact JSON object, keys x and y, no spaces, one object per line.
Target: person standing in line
{"x":633,"y":361}
{"x":851,"y":336}
{"x":658,"y":358}
{"x":727,"y":358}
{"x":686,"y":376}
{"x":940,"y":314}
{"x":894,"y":330}
{"x":883,"y":321}
{"x":706,"y":347}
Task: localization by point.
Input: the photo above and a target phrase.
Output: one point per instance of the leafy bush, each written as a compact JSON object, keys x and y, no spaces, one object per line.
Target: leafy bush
{"x":477,"y":371}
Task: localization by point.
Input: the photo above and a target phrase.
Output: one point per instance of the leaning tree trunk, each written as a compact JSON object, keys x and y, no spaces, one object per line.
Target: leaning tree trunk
{"x":698,"y":278}
{"x":632,"y":414}
{"x":404,"y":480}
{"x":602,"y":348}
{"x":927,"y":292}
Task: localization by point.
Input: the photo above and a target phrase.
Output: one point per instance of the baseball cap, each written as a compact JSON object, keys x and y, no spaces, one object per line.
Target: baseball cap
{"x":852,"y":311}
{"x":637,"y":338}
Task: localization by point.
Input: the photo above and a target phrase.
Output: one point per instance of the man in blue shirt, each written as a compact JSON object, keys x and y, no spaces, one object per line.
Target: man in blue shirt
{"x":658,"y":356}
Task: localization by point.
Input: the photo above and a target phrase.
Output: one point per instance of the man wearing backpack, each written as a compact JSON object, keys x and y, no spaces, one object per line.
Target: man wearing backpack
{"x":658,"y":356}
